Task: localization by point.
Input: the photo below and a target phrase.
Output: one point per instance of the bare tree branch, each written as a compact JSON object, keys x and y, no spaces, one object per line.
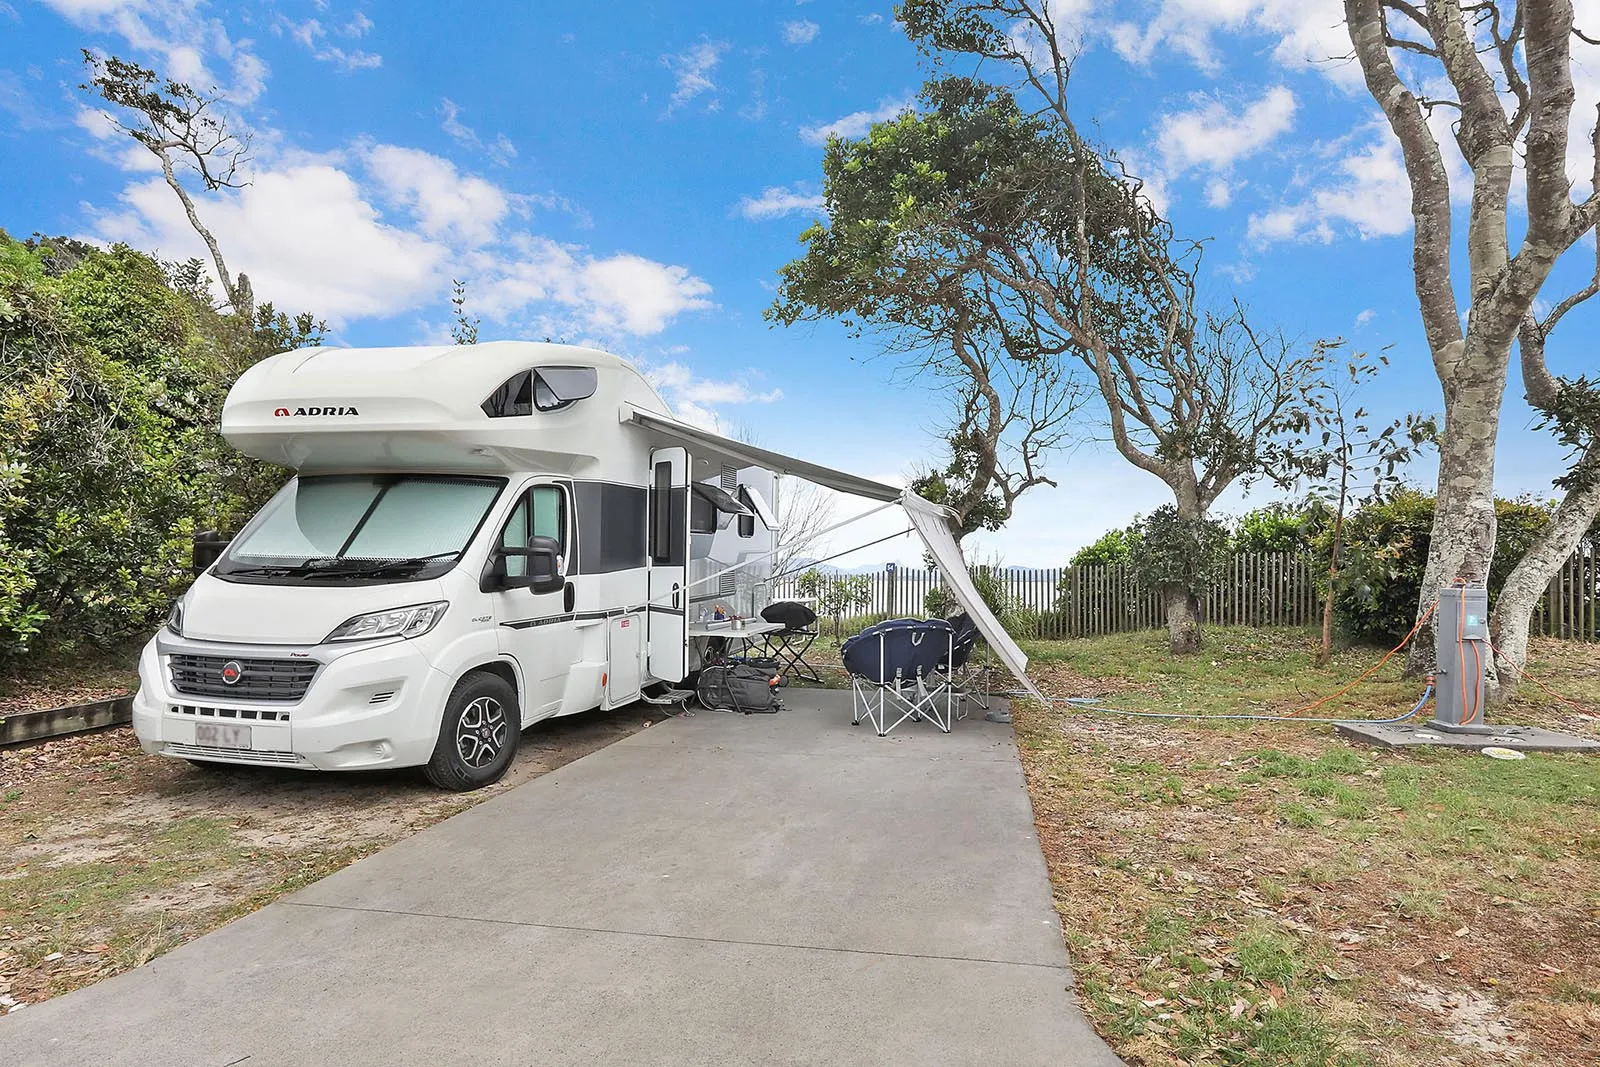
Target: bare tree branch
{"x":178,"y":125}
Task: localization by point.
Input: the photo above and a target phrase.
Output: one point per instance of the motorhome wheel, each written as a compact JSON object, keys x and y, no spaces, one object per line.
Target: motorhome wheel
{"x":478,"y":734}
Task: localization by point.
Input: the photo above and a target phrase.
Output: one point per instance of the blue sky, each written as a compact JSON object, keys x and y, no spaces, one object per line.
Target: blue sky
{"x":633,"y":174}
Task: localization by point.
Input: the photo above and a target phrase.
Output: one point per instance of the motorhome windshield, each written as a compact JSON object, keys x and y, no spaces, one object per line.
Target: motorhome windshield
{"x":355,"y":528}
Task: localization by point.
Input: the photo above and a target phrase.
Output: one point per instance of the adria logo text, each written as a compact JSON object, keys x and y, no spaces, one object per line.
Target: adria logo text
{"x":279,"y":412}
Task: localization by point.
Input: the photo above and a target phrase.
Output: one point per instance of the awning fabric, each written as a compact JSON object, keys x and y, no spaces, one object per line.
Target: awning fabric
{"x":708,"y":445}
{"x":931,"y":521}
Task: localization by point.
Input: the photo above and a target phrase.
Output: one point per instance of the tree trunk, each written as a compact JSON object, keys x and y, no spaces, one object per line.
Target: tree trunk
{"x":1462,"y":544}
{"x":1513,"y":609}
{"x":1325,"y":653}
{"x":1183,"y":621}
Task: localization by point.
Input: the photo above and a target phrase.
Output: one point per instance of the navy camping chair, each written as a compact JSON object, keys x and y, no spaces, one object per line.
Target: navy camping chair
{"x":789,"y":645}
{"x":960,"y":675}
{"x":894,"y":668}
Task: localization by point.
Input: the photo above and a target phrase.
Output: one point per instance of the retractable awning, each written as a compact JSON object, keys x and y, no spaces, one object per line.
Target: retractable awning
{"x":933,"y":522}
{"x":707,"y":445}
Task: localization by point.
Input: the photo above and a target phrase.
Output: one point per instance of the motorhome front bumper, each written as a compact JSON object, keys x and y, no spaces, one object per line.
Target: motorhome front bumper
{"x":353,"y":707}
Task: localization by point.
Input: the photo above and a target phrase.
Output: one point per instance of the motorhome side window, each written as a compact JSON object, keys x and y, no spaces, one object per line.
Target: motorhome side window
{"x":706,"y":501}
{"x":702,"y":515}
{"x":542,"y":512}
{"x":540,"y":389}
{"x":747,"y":522}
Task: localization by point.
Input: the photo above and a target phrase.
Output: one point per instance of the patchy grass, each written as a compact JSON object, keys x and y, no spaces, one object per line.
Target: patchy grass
{"x":109,"y":857}
{"x":1264,"y":893}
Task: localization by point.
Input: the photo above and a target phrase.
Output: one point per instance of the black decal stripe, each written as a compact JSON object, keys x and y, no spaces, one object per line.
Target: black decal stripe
{"x":574,"y":616}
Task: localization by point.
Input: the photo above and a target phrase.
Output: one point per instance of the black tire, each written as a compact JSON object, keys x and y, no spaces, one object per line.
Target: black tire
{"x":478,"y":734}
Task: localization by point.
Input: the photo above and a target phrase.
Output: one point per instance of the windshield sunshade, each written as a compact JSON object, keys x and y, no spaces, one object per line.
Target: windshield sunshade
{"x":340,"y":525}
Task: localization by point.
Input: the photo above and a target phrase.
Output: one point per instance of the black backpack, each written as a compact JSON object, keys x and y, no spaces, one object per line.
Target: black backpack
{"x":750,"y":687}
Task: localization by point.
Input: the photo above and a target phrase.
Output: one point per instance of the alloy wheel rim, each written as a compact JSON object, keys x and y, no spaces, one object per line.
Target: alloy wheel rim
{"x":481,"y":732}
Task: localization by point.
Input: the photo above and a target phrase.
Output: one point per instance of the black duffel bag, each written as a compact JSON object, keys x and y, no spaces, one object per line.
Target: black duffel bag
{"x":748,"y":687}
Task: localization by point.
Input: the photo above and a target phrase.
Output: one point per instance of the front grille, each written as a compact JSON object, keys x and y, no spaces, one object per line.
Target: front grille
{"x":239,"y":714}
{"x":236,"y":755}
{"x":259,"y":679}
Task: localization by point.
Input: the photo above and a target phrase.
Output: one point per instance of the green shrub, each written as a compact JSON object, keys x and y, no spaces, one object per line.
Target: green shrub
{"x":1386,"y":553}
{"x":1113,"y":548}
{"x":110,"y":393}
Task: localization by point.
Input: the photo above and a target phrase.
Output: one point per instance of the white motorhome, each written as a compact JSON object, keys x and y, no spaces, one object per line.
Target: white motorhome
{"x":476,"y":538}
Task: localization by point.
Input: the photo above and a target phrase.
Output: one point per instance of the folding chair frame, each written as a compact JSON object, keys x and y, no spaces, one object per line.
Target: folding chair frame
{"x":970,"y":683}
{"x":879,"y":700}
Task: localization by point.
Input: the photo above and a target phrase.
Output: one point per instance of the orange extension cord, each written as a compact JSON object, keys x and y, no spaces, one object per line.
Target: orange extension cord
{"x":1424,"y":617}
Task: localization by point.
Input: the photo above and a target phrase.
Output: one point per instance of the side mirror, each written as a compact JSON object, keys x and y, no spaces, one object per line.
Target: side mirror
{"x":542,"y":573}
{"x":209,"y":545}
{"x":544,"y":565}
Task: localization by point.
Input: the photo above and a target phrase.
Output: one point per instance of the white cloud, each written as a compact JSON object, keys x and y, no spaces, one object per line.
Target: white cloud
{"x":800,"y":31}
{"x":1219,"y":193}
{"x":350,"y":61}
{"x":1213,"y":137}
{"x":776,"y":201}
{"x":377,"y":230}
{"x":446,"y":203}
{"x":1364,"y":191}
{"x":622,"y":293}
{"x":692,"y":70}
{"x":1364,"y":316}
{"x":871,"y":18}
{"x":184,"y":42}
{"x":854,"y":124}
{"x":311,"y":34}
{"x":694,"y":399}
{"x":1308,"y":34}
{"x":500,"y":150}
{"x":99,"y":124}
{"x":306,"y":235}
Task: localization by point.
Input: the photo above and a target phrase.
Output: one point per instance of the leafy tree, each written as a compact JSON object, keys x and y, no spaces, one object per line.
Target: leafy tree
{"x":1504,"y":69}
{"x":1280,"y":527}
{"x":990,"y":223}
{"x":882,"y":262}
{"x":1180,"y":557}
{"x":1351,"y":463}
{"x":837,"y":595}
{"x":1387,"y":546}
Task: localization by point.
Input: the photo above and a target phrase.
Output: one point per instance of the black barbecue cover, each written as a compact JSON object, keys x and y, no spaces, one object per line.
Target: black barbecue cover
{"x":793,"y":615}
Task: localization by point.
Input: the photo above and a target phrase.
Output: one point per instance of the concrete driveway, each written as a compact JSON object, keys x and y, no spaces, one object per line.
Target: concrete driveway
{"x":718,"y":889}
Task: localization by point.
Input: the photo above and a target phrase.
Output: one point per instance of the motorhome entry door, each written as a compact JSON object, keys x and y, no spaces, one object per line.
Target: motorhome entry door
{"x":669,"y":564}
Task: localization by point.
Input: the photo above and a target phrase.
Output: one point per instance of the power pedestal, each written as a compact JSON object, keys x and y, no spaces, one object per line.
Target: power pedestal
{"x":1462,"y":652}
{"x":1464,"y":655}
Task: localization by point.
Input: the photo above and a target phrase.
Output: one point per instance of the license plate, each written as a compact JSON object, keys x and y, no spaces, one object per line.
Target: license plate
{"x":216,"y":736}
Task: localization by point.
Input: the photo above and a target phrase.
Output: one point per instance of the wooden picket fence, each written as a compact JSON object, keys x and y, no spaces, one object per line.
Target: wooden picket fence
{"x":1258,"y":589}
{"x":1571,"y":604}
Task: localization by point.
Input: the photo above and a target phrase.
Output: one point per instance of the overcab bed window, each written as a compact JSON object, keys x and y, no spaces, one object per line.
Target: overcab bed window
{"x":542,"y":389}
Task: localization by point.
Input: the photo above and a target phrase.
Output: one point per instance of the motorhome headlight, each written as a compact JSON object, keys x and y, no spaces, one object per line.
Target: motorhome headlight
{"x":175,"y":618}
{"x":413,"y":621}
